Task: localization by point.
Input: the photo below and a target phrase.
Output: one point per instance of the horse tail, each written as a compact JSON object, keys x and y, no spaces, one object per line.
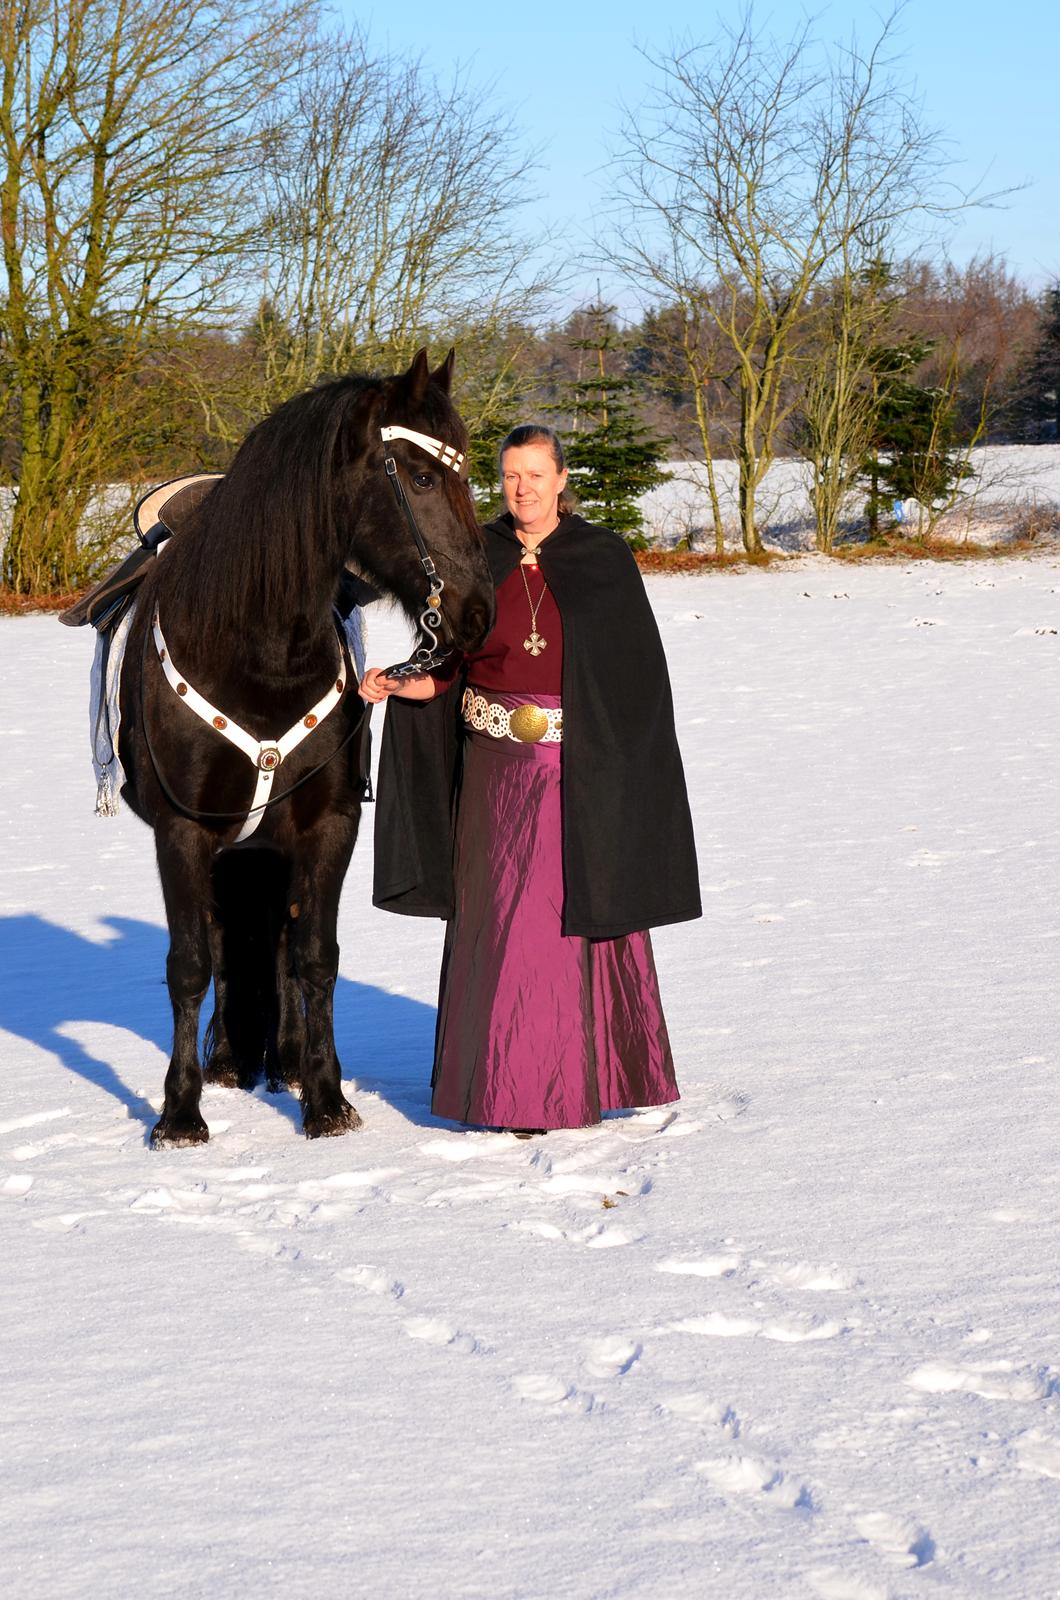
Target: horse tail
{"x":249,"y":909}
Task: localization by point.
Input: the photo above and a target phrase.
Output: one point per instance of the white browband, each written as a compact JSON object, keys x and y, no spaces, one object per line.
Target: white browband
{"x":264,"y":754}
{"x":434,"y":447}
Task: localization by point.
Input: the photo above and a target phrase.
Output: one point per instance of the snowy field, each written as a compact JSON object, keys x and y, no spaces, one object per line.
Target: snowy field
{"x":797,"y":1337}
{"x":1010,"y":483}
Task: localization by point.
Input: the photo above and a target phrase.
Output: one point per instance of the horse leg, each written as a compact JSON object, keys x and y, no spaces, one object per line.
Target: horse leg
{"x":249,"y":896}
{"x":315,"y":958}
{"x":285,"y":1051}
{"x":220,"y":1065}
{"x":184,"y":867}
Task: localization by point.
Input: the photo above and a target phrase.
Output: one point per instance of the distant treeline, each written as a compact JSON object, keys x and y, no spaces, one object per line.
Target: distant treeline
{"x":206,"y":207}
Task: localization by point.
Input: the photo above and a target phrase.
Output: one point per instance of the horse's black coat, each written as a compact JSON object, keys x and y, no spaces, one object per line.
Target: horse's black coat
{"x":245,"y":595}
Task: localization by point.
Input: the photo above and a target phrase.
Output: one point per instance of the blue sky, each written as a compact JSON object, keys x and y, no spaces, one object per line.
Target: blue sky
{"x":988,"y":75}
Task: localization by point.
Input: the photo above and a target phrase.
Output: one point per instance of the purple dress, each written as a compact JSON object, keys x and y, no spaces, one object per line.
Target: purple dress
{"x":536,"y":1029}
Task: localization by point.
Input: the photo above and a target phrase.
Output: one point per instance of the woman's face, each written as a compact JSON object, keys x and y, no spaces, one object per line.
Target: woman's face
{"x":532,"y":487}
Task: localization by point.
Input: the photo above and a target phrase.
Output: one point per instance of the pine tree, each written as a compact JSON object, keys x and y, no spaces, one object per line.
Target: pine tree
{"x":912,"y":455}
{"x":613,"y":458}
{"x":1038,"y":401}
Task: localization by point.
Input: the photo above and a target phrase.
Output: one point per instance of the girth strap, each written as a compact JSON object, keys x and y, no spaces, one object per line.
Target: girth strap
{"x":266,"y":755}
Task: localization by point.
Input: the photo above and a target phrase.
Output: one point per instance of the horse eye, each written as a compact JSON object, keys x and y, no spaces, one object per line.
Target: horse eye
{"x":422,"y":480}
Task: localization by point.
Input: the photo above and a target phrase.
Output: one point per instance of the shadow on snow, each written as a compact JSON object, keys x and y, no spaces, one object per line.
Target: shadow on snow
{"x":56,"y":979}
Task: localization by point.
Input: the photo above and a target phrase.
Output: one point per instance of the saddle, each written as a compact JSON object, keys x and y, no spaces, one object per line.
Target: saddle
{"x":162,"y":512}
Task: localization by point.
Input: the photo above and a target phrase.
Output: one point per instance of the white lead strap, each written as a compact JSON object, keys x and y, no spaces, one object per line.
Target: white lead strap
{"x":265,"y":754}
{"x":445,"y":453}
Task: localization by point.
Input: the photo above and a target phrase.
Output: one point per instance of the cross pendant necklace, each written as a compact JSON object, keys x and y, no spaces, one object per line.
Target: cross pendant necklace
{"x":535,"y":644}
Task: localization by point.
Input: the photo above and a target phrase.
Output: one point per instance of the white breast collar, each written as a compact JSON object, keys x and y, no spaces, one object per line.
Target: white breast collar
{"x":265,"y":755}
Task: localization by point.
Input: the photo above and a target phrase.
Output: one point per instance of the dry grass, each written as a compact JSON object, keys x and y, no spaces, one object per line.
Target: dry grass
{"x":23,"y":605}
{"x":935,"y":549}
{"x":702,"y":561}
{"x":1037,"y":522}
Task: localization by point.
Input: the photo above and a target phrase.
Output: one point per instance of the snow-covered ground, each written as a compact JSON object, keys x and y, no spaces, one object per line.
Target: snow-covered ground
{"x":798,"y":1337}
{"x":1010,"y":484}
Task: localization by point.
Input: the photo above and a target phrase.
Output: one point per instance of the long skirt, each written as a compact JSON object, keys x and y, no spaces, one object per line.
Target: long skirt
{"x":535,"y":1029}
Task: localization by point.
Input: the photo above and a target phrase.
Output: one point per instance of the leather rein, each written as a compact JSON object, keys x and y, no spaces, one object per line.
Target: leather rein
{"x":267,"y":755}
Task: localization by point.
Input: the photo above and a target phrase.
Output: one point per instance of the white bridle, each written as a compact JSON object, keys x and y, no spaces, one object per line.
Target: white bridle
{"x":434,"y":447}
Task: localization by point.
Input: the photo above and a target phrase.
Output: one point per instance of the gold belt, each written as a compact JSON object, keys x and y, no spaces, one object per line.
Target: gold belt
{"x":529,"y":724}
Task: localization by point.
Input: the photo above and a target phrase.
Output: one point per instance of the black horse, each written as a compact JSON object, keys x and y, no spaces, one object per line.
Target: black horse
{"x":244,"y":595}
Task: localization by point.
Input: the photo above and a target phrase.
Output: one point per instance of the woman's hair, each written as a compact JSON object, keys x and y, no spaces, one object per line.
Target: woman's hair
{"x":538,"y":433}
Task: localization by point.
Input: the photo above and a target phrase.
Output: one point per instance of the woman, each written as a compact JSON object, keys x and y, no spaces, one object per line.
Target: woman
{"x":572,"y":833}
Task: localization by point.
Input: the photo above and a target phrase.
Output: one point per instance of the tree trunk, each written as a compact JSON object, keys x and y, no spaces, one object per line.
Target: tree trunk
{"x":748,"y":464}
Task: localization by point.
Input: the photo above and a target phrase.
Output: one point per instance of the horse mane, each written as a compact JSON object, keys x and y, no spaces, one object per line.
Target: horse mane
{"x":265,"y":543}
{"x":263,"y":552}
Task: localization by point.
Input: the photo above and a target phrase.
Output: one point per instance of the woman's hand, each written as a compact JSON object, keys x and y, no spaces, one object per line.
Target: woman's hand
{"x":376,"y":686}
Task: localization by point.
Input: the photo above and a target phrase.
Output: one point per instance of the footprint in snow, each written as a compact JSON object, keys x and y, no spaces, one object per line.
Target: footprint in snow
{"x":720,"y":1266}
{"x":260,"y":1191}
{"x":17,"y":1184}
{"x":433,"y":1330}
{"x":800,"y":1330}
{"x":256,"y":1244}
{"x":552,"y":1393}
{"x":372,"y":1280}
{"x":901,"y":1541}
{"x":818,"y":1280}
{"x":611,"y":1356}
{"x":991,"y":1380}
{"x":719,"y":1104}
{"x":1037,"y":1452}
{"x":698,"y":1408}
{"x":745,"y":1475}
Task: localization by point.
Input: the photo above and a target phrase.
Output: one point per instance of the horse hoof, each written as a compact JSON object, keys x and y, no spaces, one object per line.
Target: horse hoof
{"x":170,"y":1135}
{"x":283,"y":1086}
{"x":328,"y":1124}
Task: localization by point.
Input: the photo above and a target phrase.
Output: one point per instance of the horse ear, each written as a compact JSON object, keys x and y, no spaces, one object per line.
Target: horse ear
{"x":418,"y":376}
{"x":443,"y":375}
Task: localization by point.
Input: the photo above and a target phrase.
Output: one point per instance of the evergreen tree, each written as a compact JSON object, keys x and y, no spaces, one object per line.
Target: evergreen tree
{"x":912,"y":455}
{"x":613,"y":458}
{"x":1038,"y":402}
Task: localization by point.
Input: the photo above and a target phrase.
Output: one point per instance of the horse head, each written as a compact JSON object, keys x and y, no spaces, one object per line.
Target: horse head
{"x":418,"y":486}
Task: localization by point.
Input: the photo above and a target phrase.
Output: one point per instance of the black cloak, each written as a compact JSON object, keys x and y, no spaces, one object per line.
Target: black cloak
{"x":629,"y":859}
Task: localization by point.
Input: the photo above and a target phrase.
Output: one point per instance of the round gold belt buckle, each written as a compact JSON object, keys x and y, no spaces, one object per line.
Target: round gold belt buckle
{"x":529,"y":723}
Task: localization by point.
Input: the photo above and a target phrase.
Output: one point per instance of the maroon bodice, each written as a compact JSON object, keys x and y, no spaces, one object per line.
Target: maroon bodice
{"x":503,"y":663}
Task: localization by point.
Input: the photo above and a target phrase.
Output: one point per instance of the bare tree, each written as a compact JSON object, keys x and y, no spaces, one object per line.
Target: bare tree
{"x":837,"y":406}
{"x":756,"y":170}
{"x":381,"y":192}
{"x":128,"y":159}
